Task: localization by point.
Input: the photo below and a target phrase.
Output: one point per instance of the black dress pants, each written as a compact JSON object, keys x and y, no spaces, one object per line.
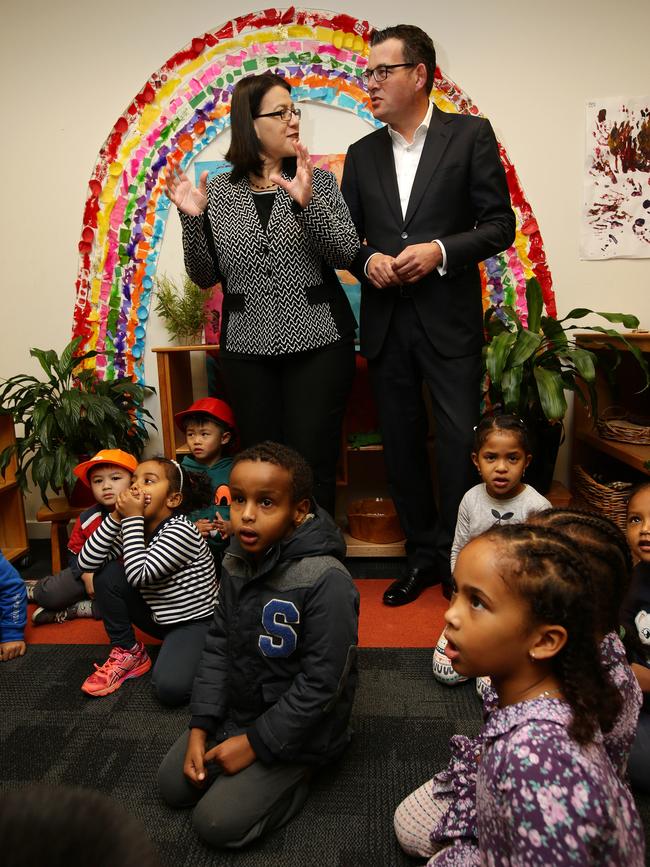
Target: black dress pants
{"x":408,"y":360}
{"x":298,"y":399}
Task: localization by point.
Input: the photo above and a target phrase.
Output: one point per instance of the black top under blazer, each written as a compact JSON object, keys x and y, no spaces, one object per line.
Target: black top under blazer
{"x":280,"y":291}
{"x":460,"y":197}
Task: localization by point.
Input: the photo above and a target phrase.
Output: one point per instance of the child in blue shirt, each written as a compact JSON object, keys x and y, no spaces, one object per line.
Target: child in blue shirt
{"x":13,"y":611}
{"x":209,"y":427}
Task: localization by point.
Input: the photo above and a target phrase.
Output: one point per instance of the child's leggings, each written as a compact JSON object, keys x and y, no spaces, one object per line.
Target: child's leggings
{"x":122,"y":607}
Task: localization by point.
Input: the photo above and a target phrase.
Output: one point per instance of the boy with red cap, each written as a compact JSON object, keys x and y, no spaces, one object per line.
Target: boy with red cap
{"x":69,"y":594}
{"x":209,"y":427}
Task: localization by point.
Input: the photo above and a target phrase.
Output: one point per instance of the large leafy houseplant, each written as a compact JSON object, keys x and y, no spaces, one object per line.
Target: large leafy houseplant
{"x":530,"y":366}
{"x":69,"y":414}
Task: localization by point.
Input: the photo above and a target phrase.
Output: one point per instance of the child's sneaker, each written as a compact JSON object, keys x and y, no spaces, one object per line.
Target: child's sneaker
{"x":120,"y":666}
{"x":443,"y":670}
{"x":84,"y":608}
{"x":30,"y":583}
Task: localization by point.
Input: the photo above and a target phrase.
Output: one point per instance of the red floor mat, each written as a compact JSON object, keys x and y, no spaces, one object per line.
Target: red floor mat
{"x":414,"y":625}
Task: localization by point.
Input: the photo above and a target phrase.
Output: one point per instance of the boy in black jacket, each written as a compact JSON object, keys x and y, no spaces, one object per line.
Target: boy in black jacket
{"x":273,"y":694}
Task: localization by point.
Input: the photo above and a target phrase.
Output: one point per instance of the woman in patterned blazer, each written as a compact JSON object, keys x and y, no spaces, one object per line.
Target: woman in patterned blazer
{"x":272,"y":230}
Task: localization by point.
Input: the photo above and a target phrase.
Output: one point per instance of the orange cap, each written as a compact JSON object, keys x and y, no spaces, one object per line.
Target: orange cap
{"x":116,"y":457}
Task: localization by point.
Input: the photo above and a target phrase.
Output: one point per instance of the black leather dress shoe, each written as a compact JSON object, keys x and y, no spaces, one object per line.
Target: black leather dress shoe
{"x":406,"y":590}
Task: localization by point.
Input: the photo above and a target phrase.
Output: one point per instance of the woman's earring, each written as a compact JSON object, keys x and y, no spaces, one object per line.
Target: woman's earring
{"x":531,"y":654}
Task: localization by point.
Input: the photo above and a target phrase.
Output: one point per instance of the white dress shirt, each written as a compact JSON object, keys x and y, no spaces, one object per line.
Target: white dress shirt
{"x":407,"y":159}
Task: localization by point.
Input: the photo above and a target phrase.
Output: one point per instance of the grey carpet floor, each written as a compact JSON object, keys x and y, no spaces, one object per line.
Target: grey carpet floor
{"x":403,"y":720}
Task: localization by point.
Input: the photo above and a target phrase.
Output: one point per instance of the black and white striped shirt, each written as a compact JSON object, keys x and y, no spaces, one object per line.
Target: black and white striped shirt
{"x":174,"y":573}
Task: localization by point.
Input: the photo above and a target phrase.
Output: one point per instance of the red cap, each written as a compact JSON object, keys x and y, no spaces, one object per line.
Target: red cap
{"x":218,"y":409}
{"x":116,"y":457}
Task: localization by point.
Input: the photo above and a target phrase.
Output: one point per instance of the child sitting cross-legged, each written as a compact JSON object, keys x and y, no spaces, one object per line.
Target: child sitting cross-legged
{"x":166,"y":584}
{"x":13,"y":611}
{"x":70,"y":593}
{"x":546,"y":789}
{"x":273,"y":694}
{"x":209,"y":427}
{"x":444,"y":809}
{"x":501,"y":455}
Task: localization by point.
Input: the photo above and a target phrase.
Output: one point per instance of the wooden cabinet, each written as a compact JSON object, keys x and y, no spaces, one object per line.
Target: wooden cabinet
{"x":624,"y":389}
{"x":13,"y":530}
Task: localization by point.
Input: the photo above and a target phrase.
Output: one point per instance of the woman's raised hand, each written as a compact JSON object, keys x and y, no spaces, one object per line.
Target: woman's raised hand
{"x":181,"y":191}
{"x":299,"y":188}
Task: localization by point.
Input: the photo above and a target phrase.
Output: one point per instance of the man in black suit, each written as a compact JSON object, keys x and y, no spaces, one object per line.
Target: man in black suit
{"x":429,"y":198}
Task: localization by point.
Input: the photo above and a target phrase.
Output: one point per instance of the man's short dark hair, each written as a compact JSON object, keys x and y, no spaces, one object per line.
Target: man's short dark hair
{"x":417,"y":46}
{"x":245,"y":148}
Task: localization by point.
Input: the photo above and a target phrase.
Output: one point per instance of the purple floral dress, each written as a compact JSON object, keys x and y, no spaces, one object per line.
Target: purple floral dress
{"x":458,"y":781}
{"x":541,"y":799}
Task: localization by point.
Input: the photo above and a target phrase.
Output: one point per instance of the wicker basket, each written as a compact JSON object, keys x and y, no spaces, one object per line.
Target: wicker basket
{"x":615,"y":423}
{"x":609,"y":501}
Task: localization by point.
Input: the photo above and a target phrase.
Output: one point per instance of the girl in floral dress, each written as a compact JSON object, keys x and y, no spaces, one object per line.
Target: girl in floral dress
{"x":546,"y":791}
{"x":444,"y":808}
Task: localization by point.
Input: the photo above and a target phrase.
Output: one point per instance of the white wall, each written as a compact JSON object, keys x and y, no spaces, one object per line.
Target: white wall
{"x":69,"y":69}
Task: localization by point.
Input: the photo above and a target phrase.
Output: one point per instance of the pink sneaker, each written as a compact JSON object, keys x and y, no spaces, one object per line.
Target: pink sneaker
{"x":120,"y":666}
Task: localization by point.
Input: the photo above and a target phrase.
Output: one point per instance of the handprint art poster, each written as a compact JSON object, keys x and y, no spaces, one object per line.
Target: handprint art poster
{"x":616,"y":216}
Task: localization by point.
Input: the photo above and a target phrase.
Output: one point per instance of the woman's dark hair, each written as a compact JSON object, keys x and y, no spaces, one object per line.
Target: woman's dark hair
{"x":302,"y":479}
{"x":59,"y":826}
{"x":245,"y":151}
{"x":510,"y":423}
{"x":417,"y":46}
{"x":608,"y":558}
{"x":548,"y":571}
{"x":195,"y":488}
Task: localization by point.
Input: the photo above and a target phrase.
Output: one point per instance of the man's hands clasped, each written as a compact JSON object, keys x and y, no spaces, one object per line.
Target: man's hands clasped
{"x":412,"y":264}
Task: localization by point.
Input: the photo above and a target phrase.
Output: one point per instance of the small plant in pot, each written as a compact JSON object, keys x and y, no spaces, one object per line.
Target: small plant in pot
{"x":182,"y":309}
{"x":70,"y":415}
{"x":530,"y":366}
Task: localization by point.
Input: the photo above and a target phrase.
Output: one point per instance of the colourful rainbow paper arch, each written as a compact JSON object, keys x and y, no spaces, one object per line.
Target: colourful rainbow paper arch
{"x":179,"y":111}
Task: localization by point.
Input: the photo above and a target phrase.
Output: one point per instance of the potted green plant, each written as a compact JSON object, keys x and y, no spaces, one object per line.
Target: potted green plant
{"x":182,"y":309}
{"x":530,"y":367}
{"x":70,"y":414}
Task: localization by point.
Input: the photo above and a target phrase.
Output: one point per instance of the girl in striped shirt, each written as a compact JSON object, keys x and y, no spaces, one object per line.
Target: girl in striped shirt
{"x":153,"y":570}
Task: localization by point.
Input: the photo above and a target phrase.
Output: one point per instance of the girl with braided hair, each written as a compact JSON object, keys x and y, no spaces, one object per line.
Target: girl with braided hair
{"x":523,"y":612}
{"x":157,"y":574}
{"x":607,"y":557}
{"x":444,"y":810}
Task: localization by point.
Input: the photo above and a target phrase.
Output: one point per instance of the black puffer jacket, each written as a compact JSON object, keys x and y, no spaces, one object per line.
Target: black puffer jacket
{"x":280,"y":657}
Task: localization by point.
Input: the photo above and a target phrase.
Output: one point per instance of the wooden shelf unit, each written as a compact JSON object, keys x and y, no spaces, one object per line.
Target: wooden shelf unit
{"x":589,"y":449}
{"x":175,"y":391}
{"x":13,"y":529}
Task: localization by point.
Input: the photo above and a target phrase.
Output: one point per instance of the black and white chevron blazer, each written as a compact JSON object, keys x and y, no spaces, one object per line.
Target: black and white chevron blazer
{"x":280,"y":292}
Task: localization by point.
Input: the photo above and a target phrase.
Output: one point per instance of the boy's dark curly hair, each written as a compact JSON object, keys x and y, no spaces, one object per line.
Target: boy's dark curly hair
{"x":196,"y":488}
{"x":302,"y":479}
{"x":605,"y":548}
{"x":548,"y":571}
